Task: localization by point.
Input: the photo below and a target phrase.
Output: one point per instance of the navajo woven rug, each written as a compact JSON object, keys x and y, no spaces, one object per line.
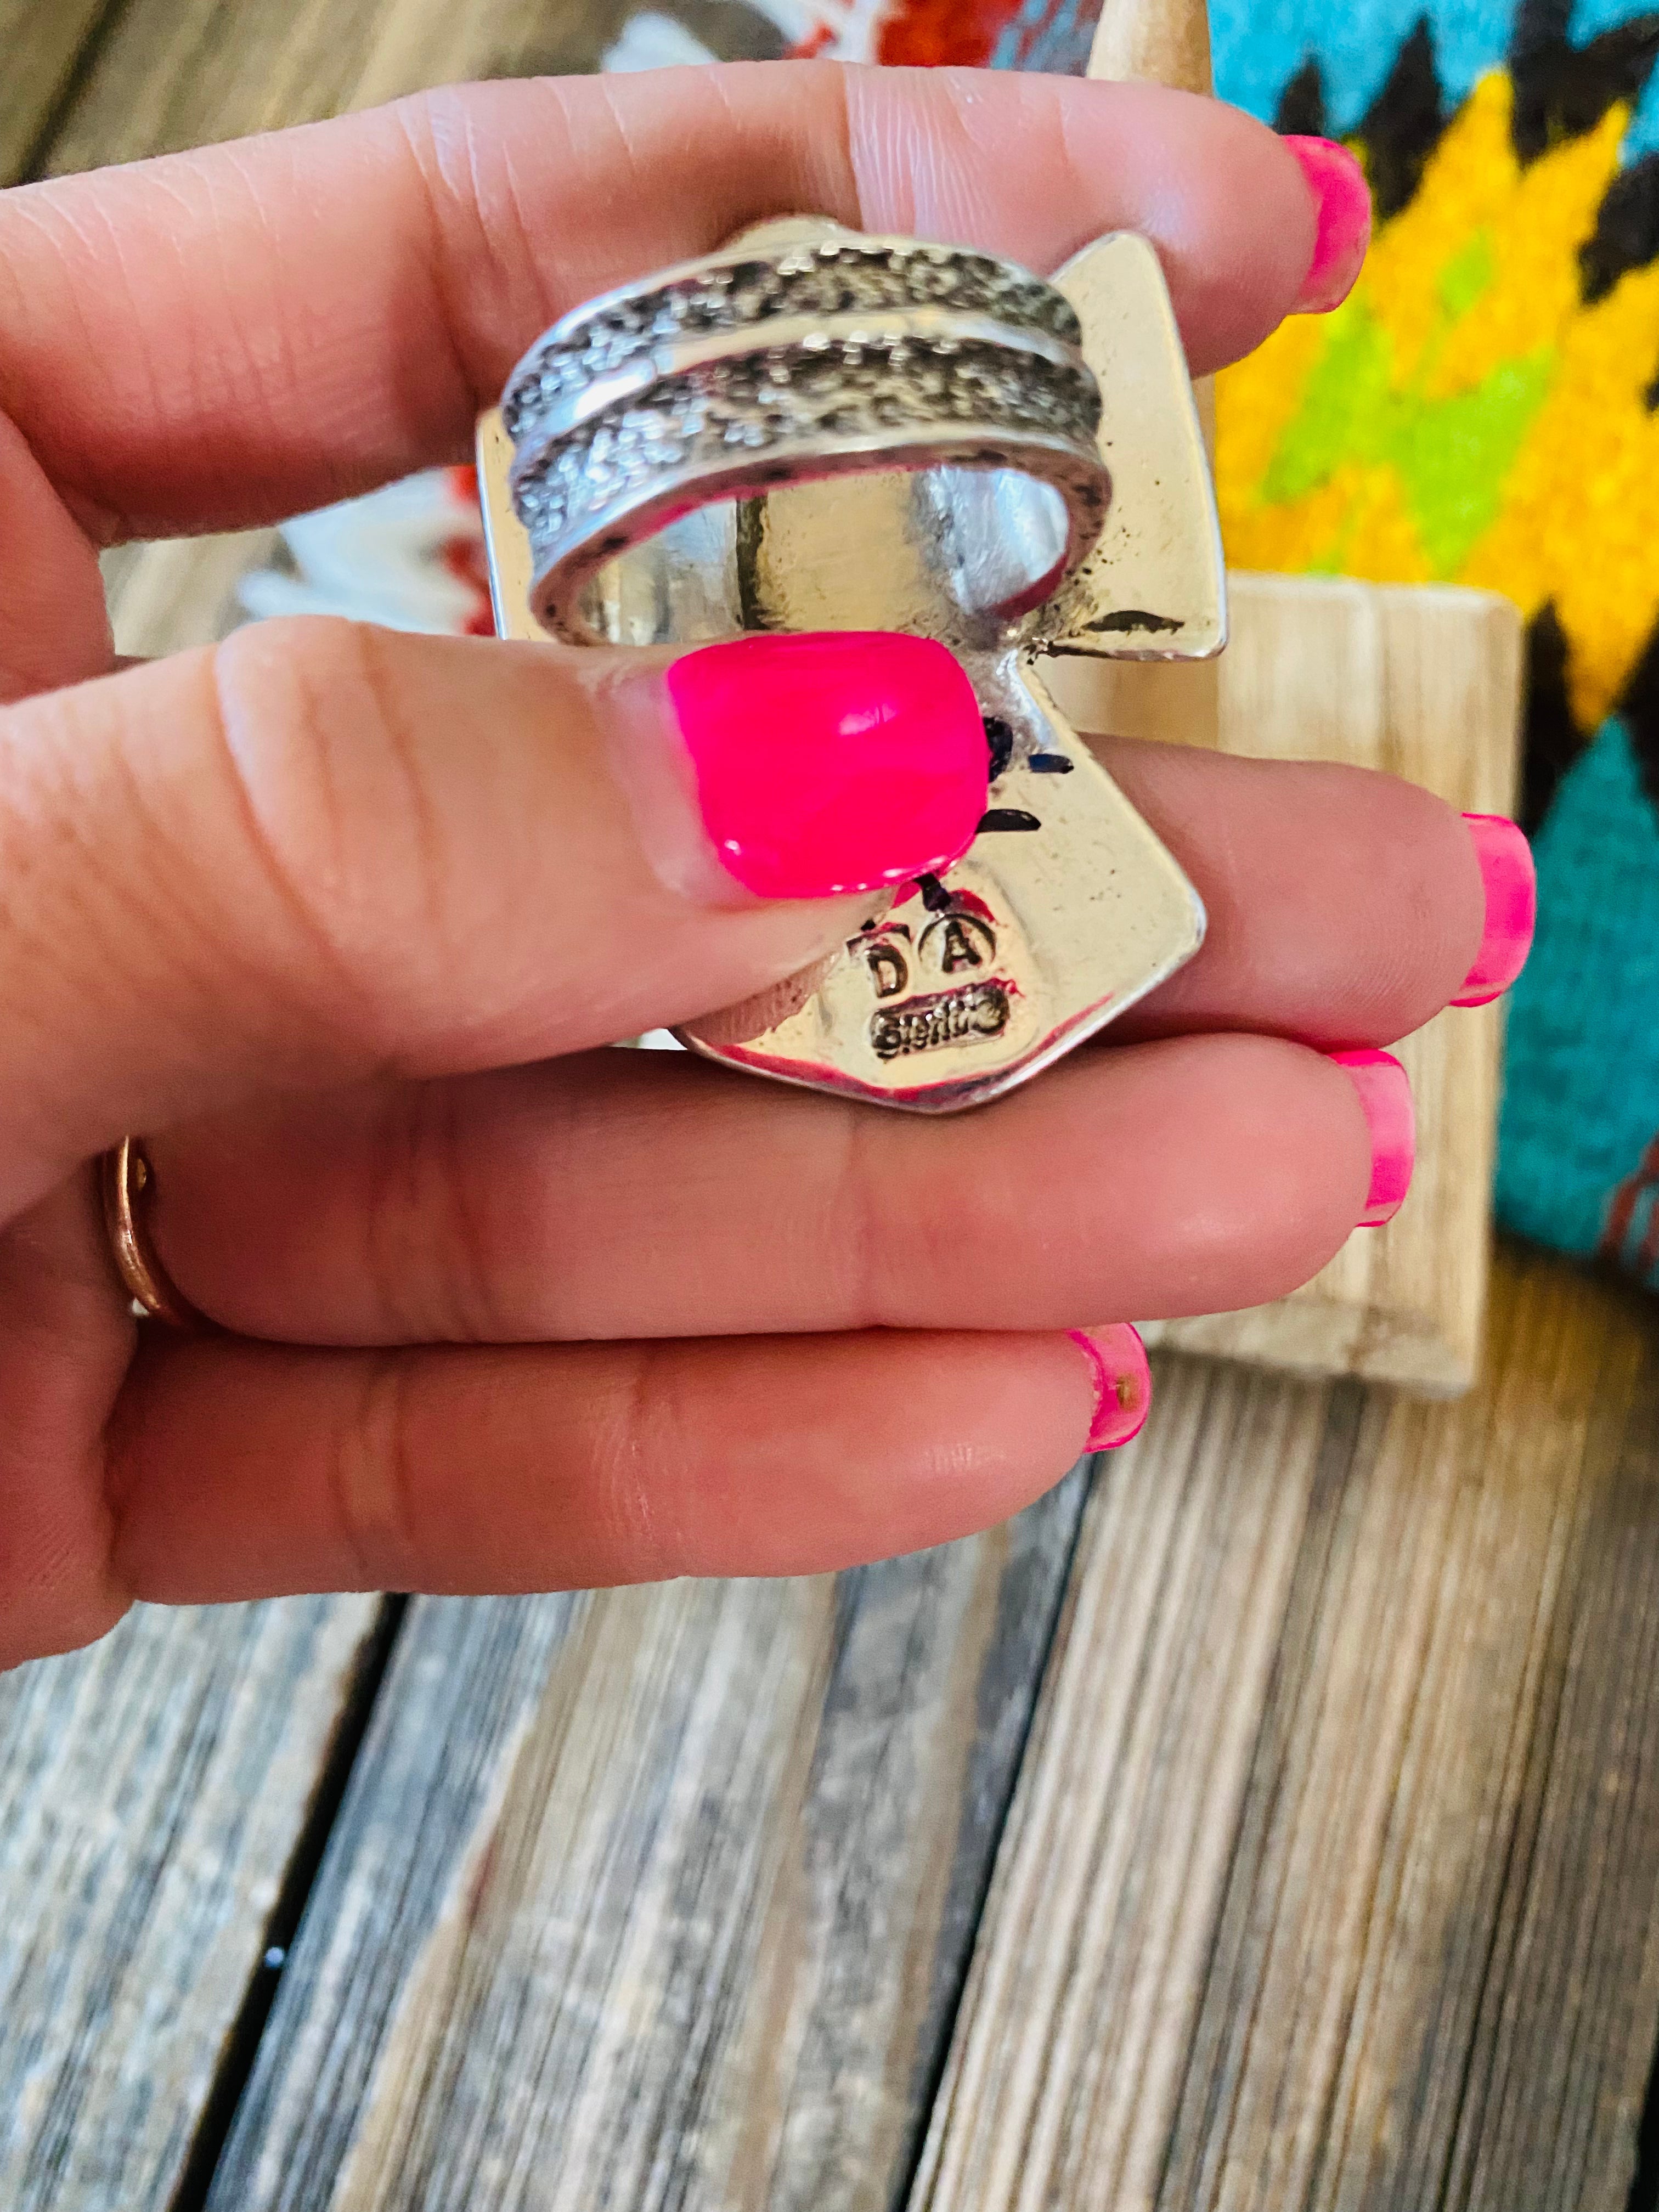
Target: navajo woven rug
{"x":1482,"y":411}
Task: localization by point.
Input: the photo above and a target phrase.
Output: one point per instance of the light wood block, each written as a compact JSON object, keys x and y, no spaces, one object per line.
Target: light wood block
{"x":1136,"y":42}
{"x":1330,"y":1880}
{"x":1425,"y":683}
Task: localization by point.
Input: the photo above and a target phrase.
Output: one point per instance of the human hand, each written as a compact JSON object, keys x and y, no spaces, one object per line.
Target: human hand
{"x":338,"y":919}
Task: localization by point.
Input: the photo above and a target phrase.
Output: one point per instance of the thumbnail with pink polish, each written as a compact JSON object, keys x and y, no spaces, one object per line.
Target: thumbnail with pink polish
{"x":833,"y":762}
{"x":1385,"y":1093}
{"x":1123,"y":1380}
{"x":1512,"y":887}
{"x":1344,"y":200}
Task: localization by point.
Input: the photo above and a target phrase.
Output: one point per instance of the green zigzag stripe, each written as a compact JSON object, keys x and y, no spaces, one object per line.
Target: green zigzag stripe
{"x":1452,"y":454}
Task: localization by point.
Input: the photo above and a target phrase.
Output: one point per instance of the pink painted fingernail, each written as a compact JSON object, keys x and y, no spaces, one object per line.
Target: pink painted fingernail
{"x":834,"y":762}
{"x":1344,"y":201}
{"x":1124,"y":1383}
{"x":1385,"y":1092}
{"x":1511,"y":883}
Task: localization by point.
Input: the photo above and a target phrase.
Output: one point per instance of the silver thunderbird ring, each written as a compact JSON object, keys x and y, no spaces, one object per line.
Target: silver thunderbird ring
{"x":767,"y":365}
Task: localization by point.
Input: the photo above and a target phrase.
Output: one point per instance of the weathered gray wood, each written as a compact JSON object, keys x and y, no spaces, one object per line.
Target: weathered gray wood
{"x":41,"y":42}
{"x":657,"y":1896}
{"x":151,"y":1793}
{"x":1333,"y":1875}
{"x":178,"y":73}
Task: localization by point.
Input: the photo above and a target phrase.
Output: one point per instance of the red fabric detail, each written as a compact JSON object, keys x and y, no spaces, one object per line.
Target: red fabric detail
{"x":1621,"y":1214}
{"x":931,"y":33}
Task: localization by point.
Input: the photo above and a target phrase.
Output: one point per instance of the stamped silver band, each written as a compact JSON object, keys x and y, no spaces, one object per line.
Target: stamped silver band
{"x":753,"y":369}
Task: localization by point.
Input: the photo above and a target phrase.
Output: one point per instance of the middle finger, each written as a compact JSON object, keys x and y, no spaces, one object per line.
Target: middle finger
{"x":627,"y":1196}
{"x":622,"y":1196}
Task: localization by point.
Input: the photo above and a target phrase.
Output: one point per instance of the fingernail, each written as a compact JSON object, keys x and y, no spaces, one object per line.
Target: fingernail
{"x":1344,"y":201}
{"x":1123,"y":1380}
{"x":1512,"y":885}
{"x":835,"y":762}
{"x":1385,"y":1092}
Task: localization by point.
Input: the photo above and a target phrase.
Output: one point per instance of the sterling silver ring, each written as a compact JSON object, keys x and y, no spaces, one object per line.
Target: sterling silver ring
{"x":774,"y":364}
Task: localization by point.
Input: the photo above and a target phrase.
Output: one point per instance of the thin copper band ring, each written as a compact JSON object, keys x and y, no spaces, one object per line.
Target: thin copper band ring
{"x":128,"y":1183}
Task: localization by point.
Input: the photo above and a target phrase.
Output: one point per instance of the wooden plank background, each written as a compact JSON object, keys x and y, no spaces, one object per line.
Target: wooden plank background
{"x":1332,"y":1878}
{"x":1331,"y":1870}
{"x":679,"y":1918}
{"x":153,"y":1793}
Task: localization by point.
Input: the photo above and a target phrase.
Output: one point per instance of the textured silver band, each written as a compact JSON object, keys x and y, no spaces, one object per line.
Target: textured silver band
{"x":752,"y":369}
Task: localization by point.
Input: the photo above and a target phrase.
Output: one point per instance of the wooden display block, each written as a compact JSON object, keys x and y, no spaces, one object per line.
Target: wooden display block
{"x":1425,"y":682}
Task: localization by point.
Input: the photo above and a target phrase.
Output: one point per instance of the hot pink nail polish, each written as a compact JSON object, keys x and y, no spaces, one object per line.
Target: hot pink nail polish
{"x":1385,"y":1092}
{"x":835,"y":762}
{"x":1511,"y":884}
{"x":1124,"y":1383}
{"x":1344,"y":200}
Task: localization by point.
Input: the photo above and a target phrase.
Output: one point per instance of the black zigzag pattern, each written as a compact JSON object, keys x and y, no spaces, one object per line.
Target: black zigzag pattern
{"x":1561,"y":91}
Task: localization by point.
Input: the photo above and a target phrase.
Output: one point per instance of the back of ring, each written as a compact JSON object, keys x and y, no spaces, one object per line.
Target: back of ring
{"x":817,"y":431}
{"x":770,"y":365}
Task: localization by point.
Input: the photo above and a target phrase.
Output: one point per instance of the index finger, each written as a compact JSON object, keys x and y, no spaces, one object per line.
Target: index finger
{"x":222,"y":337}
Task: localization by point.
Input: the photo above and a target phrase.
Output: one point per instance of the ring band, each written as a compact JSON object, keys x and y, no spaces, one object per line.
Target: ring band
{"x":756,"y":367}
{"x":129,"y":1183}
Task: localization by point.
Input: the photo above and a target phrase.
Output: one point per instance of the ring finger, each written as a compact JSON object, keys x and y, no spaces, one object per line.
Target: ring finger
{"x":637,"y":1196}
{"x":626,"y":1195}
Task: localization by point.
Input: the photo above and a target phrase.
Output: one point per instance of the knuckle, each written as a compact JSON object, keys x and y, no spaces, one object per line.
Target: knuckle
{"x":641,"y":1463}
{"x":373,"y":1476}
{"x":428,"y":1247}
{"x":1426,"y":890}
{"x":315,"y":731}
{"x":861,"y":1229}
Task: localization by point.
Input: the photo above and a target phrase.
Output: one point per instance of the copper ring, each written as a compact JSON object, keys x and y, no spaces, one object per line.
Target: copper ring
{"x":129,"y":1185}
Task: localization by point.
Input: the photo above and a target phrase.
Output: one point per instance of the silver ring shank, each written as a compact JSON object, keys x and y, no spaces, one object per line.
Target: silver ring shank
{"x":733,"y":376}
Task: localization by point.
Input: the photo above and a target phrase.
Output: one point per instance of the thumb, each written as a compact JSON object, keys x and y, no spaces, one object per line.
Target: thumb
{"x":319,"y":850}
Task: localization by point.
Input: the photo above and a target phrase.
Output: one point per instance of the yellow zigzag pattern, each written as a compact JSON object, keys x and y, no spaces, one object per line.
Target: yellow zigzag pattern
{"x":1464,"y":415}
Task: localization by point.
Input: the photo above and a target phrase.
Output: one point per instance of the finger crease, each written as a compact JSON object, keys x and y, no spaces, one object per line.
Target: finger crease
{"x":414,"y":120}
{"x":372,"y":1478}
{"x":635,"y":1469}
{"x":859,"y":1226}
{"x":473,"y":1298}
{"x":222,"y":721}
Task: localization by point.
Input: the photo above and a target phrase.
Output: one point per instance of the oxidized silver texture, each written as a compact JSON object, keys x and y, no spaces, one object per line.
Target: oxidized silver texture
{"x":753,"y":368}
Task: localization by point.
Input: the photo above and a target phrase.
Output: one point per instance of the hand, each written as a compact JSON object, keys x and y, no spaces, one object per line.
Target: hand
{"x":335,"y":919}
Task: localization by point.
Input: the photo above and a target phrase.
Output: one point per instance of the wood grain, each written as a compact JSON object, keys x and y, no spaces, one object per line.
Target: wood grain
{"x":151,"y":1793}
{"x":1168,"y":44}
{"x":1425,"y":683}
{"x":42,"y":41}
{"x":179,"y":73}
{"x":657,"y":1896}
{"x":1334,"y":1867}
{"x":1333,"y":1874}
